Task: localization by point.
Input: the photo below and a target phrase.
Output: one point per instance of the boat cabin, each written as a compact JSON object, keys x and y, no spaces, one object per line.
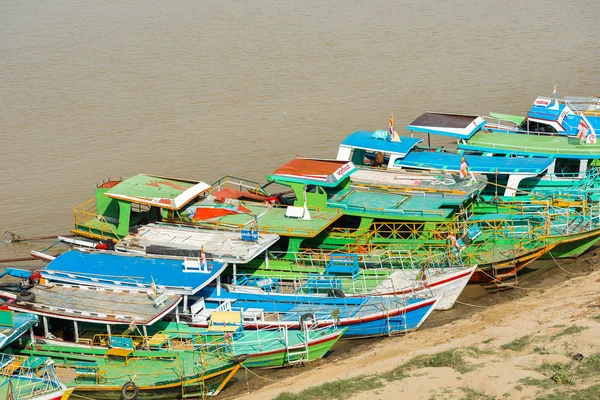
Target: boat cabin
{"x":121,"y":204}
{"x":517,"y":160}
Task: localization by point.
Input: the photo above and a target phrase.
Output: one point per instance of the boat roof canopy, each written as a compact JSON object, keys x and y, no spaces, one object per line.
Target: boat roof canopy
{"x":454,"y":125}
{"x":477,"y":163}
{"x":97,"y":305}
{"x":124,"y":271}
{"x":373,"y":141}
{"x":313,"y":171}
{"x":153,"y":190}
{"x":515,"y":119}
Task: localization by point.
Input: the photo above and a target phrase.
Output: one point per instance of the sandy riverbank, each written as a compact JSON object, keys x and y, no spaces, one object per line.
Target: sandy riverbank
{"x":522,"y":347}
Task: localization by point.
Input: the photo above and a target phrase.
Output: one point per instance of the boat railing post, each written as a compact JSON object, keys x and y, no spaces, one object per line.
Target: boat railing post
{"x":108,"y":330}
{"x":185,"y":303}
{"x":145,"y":332}
{"x":76,"y":331}
{"x":45,"y":322}
{"x":234,"y":274}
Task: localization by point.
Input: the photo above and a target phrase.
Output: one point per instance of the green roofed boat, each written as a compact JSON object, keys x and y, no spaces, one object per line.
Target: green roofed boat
{"x":321,"y":212}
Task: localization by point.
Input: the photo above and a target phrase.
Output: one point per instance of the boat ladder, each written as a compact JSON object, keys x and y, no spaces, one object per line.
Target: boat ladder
{"x":297,"y":355}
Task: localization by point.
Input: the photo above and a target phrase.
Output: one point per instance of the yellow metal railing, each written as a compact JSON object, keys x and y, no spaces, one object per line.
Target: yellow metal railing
{"x":84,"y":214}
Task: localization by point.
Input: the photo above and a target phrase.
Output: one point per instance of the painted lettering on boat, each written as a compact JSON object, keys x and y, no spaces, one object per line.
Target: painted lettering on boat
{"x":542,"y":102}
{"x":342,"y":170}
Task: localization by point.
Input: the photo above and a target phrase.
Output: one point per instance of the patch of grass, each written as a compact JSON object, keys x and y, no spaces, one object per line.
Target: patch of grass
{"x":540,"y":350}
{"x":517,"y":344}
{"x":486,"y":341}
{"x":558,"y":373}
{"x":396,"y":374}
{"x":339,"y":389}
{"x":589,"y":393}
{"x":572,"y":330}
{"x":474,"y":351}
{"x":596,"y":317}
{"x":450,"y":358}
{"x":589,"y":367}
{"x":454,"y":358}
{"x":472,"y":394}
{"x":541,"y":383}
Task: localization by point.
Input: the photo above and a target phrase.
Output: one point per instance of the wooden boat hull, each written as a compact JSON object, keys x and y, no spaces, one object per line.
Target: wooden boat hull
{"x":496,"y":273}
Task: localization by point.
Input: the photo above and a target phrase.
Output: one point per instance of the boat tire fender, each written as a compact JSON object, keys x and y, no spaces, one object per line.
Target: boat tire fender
{"x":26,"y":296}
{"x":335,"y":292}
{"x":130,"y":395}
{"x":305,"y":318}
{"x":238,"y":359}
{"x":496,"y":200}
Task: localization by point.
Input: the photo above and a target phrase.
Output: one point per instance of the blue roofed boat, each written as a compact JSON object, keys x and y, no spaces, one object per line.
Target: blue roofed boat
{"x":407,"y":154}
{"x":572,"y":160}
{"x":362,"y":316}
{"x":122,"y":270}
{"x":368,"y":316}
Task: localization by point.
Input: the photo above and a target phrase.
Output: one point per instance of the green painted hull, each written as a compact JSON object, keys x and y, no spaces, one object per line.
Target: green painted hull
{"x":158,"y":374}
{"x":265,"y":348}
{"x":572,"y":248}
{"x":297,"y":354}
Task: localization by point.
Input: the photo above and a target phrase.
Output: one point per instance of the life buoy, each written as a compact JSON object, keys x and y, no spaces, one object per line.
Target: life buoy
{"x":335,"y":292}
{"x":238,"y":359}
{"x":307,"y":317}
{"x":26,"y":296}
{"x":125,"y":395}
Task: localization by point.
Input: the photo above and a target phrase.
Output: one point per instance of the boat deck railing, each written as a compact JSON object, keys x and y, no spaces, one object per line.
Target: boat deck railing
{"x":85,"y":214}
{"x":369,"y":257}
{"x":27,"y":382}
{"x":422,"y":240}
{"x":327,"y":315}
{"x":241,"y":184}
{"x":173,"y":340}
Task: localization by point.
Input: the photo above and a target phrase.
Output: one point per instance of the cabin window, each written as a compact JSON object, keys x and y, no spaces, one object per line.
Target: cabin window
{"x":566,"y":167}
{"x":540,"y":127}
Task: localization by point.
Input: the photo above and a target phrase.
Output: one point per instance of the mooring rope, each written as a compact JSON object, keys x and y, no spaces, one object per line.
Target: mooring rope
{"x":470,"y":305}
{"x":559,"y":266}
{"x":254,"y":373}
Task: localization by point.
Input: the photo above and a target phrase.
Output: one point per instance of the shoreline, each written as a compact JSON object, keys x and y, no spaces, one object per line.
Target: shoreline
{"x":510,"y":337}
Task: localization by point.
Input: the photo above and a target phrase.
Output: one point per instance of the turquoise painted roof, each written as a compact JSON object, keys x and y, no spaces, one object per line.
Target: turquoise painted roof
{"x":394,"y":206}
{"x":368,"y":140}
